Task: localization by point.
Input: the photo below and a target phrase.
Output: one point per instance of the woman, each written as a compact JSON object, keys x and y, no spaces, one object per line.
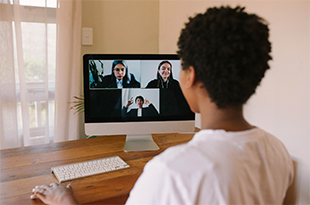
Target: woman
{"x":172,"y":101}
{"x":164,"y":77}
{"x":141,"y":111}
{"x":119,"y":78}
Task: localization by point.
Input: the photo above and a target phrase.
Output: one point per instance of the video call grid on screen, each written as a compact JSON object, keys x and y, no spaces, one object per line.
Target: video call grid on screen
{"x":143,"y":70}
{"x":107,"y":103}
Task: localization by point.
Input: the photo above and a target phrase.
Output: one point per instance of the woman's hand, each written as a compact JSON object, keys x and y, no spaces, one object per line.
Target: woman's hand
{"x":147,"y":102}
{"x":130,"y":101}
{"x":54,"y":194}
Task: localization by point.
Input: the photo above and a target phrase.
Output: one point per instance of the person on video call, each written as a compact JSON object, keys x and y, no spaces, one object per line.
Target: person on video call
{"x":120,"y":77}
{"x":172,"y":102}
{"x":141,"y":111}
{"x":164,"y":78}
{"x":225,"y":54}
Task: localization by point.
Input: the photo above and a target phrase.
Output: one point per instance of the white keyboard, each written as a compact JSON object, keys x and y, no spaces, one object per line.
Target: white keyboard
{"x":88,"y":168}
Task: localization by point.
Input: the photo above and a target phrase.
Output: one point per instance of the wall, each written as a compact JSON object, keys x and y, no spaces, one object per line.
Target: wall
{"x":281,"y":104}
{"x":122,"y":26}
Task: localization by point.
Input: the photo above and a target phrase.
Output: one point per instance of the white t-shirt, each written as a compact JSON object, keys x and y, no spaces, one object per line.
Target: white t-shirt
{"x":217,"y":167}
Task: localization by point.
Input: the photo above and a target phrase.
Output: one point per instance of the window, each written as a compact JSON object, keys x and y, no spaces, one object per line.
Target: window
{"x":37,"y":82}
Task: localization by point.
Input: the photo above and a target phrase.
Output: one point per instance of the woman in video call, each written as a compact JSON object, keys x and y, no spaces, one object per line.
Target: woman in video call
{"x":140,"y":111}
{"x":164,"y":77}
{"x":172,"y":101}
{"x":119,"y":78}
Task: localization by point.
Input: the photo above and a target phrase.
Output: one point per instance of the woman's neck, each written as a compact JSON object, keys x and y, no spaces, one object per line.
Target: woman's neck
{"x":230,"y":119}
{"x":165,"y":79}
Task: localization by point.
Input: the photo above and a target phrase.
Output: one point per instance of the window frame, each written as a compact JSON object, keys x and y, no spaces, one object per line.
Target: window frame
{"x":37,"y":92}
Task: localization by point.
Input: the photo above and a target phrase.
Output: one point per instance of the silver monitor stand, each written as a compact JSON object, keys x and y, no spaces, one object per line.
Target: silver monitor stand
{"x":142,"y":142}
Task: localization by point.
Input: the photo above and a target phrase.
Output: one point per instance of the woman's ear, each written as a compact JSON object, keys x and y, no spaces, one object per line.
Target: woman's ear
{"x":190,"y":77}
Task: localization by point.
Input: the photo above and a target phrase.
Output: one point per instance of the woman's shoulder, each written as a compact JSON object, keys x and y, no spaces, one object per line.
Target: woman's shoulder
{"x":133,"y":77}
{"x":107,"y":76}
{"x":133,"y":82}
{"x":153,"y":81}
{"x":152,"y":84}
{"x":174,"y":81}
{"x":105,"y":81}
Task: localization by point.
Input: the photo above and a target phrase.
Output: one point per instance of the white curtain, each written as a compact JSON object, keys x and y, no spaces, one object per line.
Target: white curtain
{"x":68,"y":73}
{"x":40,"y":71}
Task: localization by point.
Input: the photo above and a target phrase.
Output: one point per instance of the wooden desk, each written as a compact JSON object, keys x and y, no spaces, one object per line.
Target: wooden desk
{"x":24,"y":168}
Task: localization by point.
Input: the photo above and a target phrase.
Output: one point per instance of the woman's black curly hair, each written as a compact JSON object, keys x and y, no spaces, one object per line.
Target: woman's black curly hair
{"x":229,"y":50}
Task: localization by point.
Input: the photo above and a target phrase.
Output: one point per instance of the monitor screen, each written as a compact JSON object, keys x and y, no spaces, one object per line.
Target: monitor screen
{"x":134,"y":95}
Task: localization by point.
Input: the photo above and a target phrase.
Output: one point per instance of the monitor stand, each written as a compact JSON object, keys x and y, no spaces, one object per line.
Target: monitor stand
{"x":143,"y":142}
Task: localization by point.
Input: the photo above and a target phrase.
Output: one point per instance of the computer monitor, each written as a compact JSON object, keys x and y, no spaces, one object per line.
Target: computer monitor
{"x":135,"y":95}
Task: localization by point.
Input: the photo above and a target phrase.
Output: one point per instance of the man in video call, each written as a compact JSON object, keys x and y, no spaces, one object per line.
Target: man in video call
{"x":140,"y":111}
